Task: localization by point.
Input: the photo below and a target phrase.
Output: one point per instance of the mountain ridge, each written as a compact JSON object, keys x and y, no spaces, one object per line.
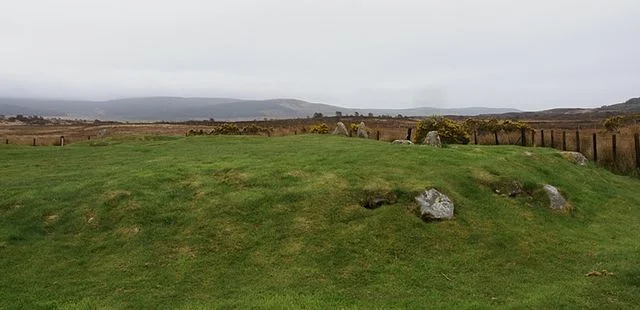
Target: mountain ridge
{"x":192,"y":108}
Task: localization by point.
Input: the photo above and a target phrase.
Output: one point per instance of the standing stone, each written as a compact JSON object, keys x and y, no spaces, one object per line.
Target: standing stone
{"x":341,"y":129}
{"x":432,"y":139}
{"x":103,"y":133}
{"x":435,"y":205}
{"x":362,"y":131}
{"x":556,"y":201}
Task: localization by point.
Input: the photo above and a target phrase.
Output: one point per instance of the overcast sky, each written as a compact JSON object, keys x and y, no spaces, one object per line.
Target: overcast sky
{"x":354,"y":53}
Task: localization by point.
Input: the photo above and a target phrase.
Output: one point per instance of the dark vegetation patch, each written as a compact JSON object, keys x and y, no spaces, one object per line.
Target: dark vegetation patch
{"x":375,"y":198}
{"x":230,"y":176}
{"x":115,"y":198}
{"x":372,"y":199}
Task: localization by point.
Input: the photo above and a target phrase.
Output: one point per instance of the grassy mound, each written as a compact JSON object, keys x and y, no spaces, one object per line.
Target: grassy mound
{"x":205,"y":222}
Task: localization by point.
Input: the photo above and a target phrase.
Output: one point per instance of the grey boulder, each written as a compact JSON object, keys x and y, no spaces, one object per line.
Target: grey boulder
{"x":435,"y":205}
{"x":556,"y":201}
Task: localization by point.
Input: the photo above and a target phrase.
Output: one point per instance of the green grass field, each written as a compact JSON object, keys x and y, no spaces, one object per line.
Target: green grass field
{"x":244,"y":222}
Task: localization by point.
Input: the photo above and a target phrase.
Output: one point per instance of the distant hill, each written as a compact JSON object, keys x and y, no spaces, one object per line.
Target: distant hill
{"x":629,"y":106}
{"x":11,"y":109}
{"x":180,"y":109}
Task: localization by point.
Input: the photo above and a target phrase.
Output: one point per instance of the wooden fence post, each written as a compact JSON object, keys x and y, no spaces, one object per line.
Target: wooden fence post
{"x":542,"y":137}
{"x":553,"y":145}
{"x":523,"y":137}
{"x":378,"y":135}
{"x":595,"y":148}
{"x":495,"y":134}
{"x":564,"y":140}
{"x":533,"y":137}
{"x":475,"y":137}
{"x":636,"y":140}
{"x":34,"y":141}
{"x":578,"y":141}
{"x":613,"y":148}
{"x":408,"y":134}
{"x":61,"y":140}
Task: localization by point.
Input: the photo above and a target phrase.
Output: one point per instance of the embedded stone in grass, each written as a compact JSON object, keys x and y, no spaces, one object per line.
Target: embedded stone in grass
{"x":401,"y":142}
{"x":341,"y":129}
{"x":49,"y":219}
{"x":432,"y":139}
{"x":374,"y":200}
{"x":435,"y":205}
{"x":556,"y":201}
{"x":512,"y":189}
{"x":362,"y":131}
{"x":575,"y":157}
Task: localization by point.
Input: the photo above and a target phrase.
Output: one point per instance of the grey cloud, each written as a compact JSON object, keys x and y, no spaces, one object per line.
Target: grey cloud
{"x":532,"y":55}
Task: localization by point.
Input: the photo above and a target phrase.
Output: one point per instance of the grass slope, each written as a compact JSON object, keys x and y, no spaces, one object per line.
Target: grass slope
{"x":204,"y":222}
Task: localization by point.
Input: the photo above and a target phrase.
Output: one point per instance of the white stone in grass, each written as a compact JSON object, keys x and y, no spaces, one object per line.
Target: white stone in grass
{"x":556,"y":201}
{"x":401,"y":142}
{"x":435,"y":205}
{"x":575,"y":157}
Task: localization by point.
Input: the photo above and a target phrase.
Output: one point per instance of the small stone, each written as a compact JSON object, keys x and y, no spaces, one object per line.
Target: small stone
{"x":556,"y":201}
{"x":51,"y":218}
{"x":401,"y":142}
{"x":575,"y":157}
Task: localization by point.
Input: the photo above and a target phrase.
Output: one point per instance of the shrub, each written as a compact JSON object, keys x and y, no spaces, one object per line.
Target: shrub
{"x":511,"y":126}
{"x":319,"y":128}
{"x":353,"y":128}
{"x":493,"y":125}
{"x":613,"y":123}
{"x":448,"y":130}
{"x":254,"y":129}
{"x":225,"y":129}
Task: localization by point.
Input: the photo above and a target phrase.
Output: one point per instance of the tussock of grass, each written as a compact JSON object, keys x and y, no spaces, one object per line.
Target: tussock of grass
{"x":245,"y":222}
